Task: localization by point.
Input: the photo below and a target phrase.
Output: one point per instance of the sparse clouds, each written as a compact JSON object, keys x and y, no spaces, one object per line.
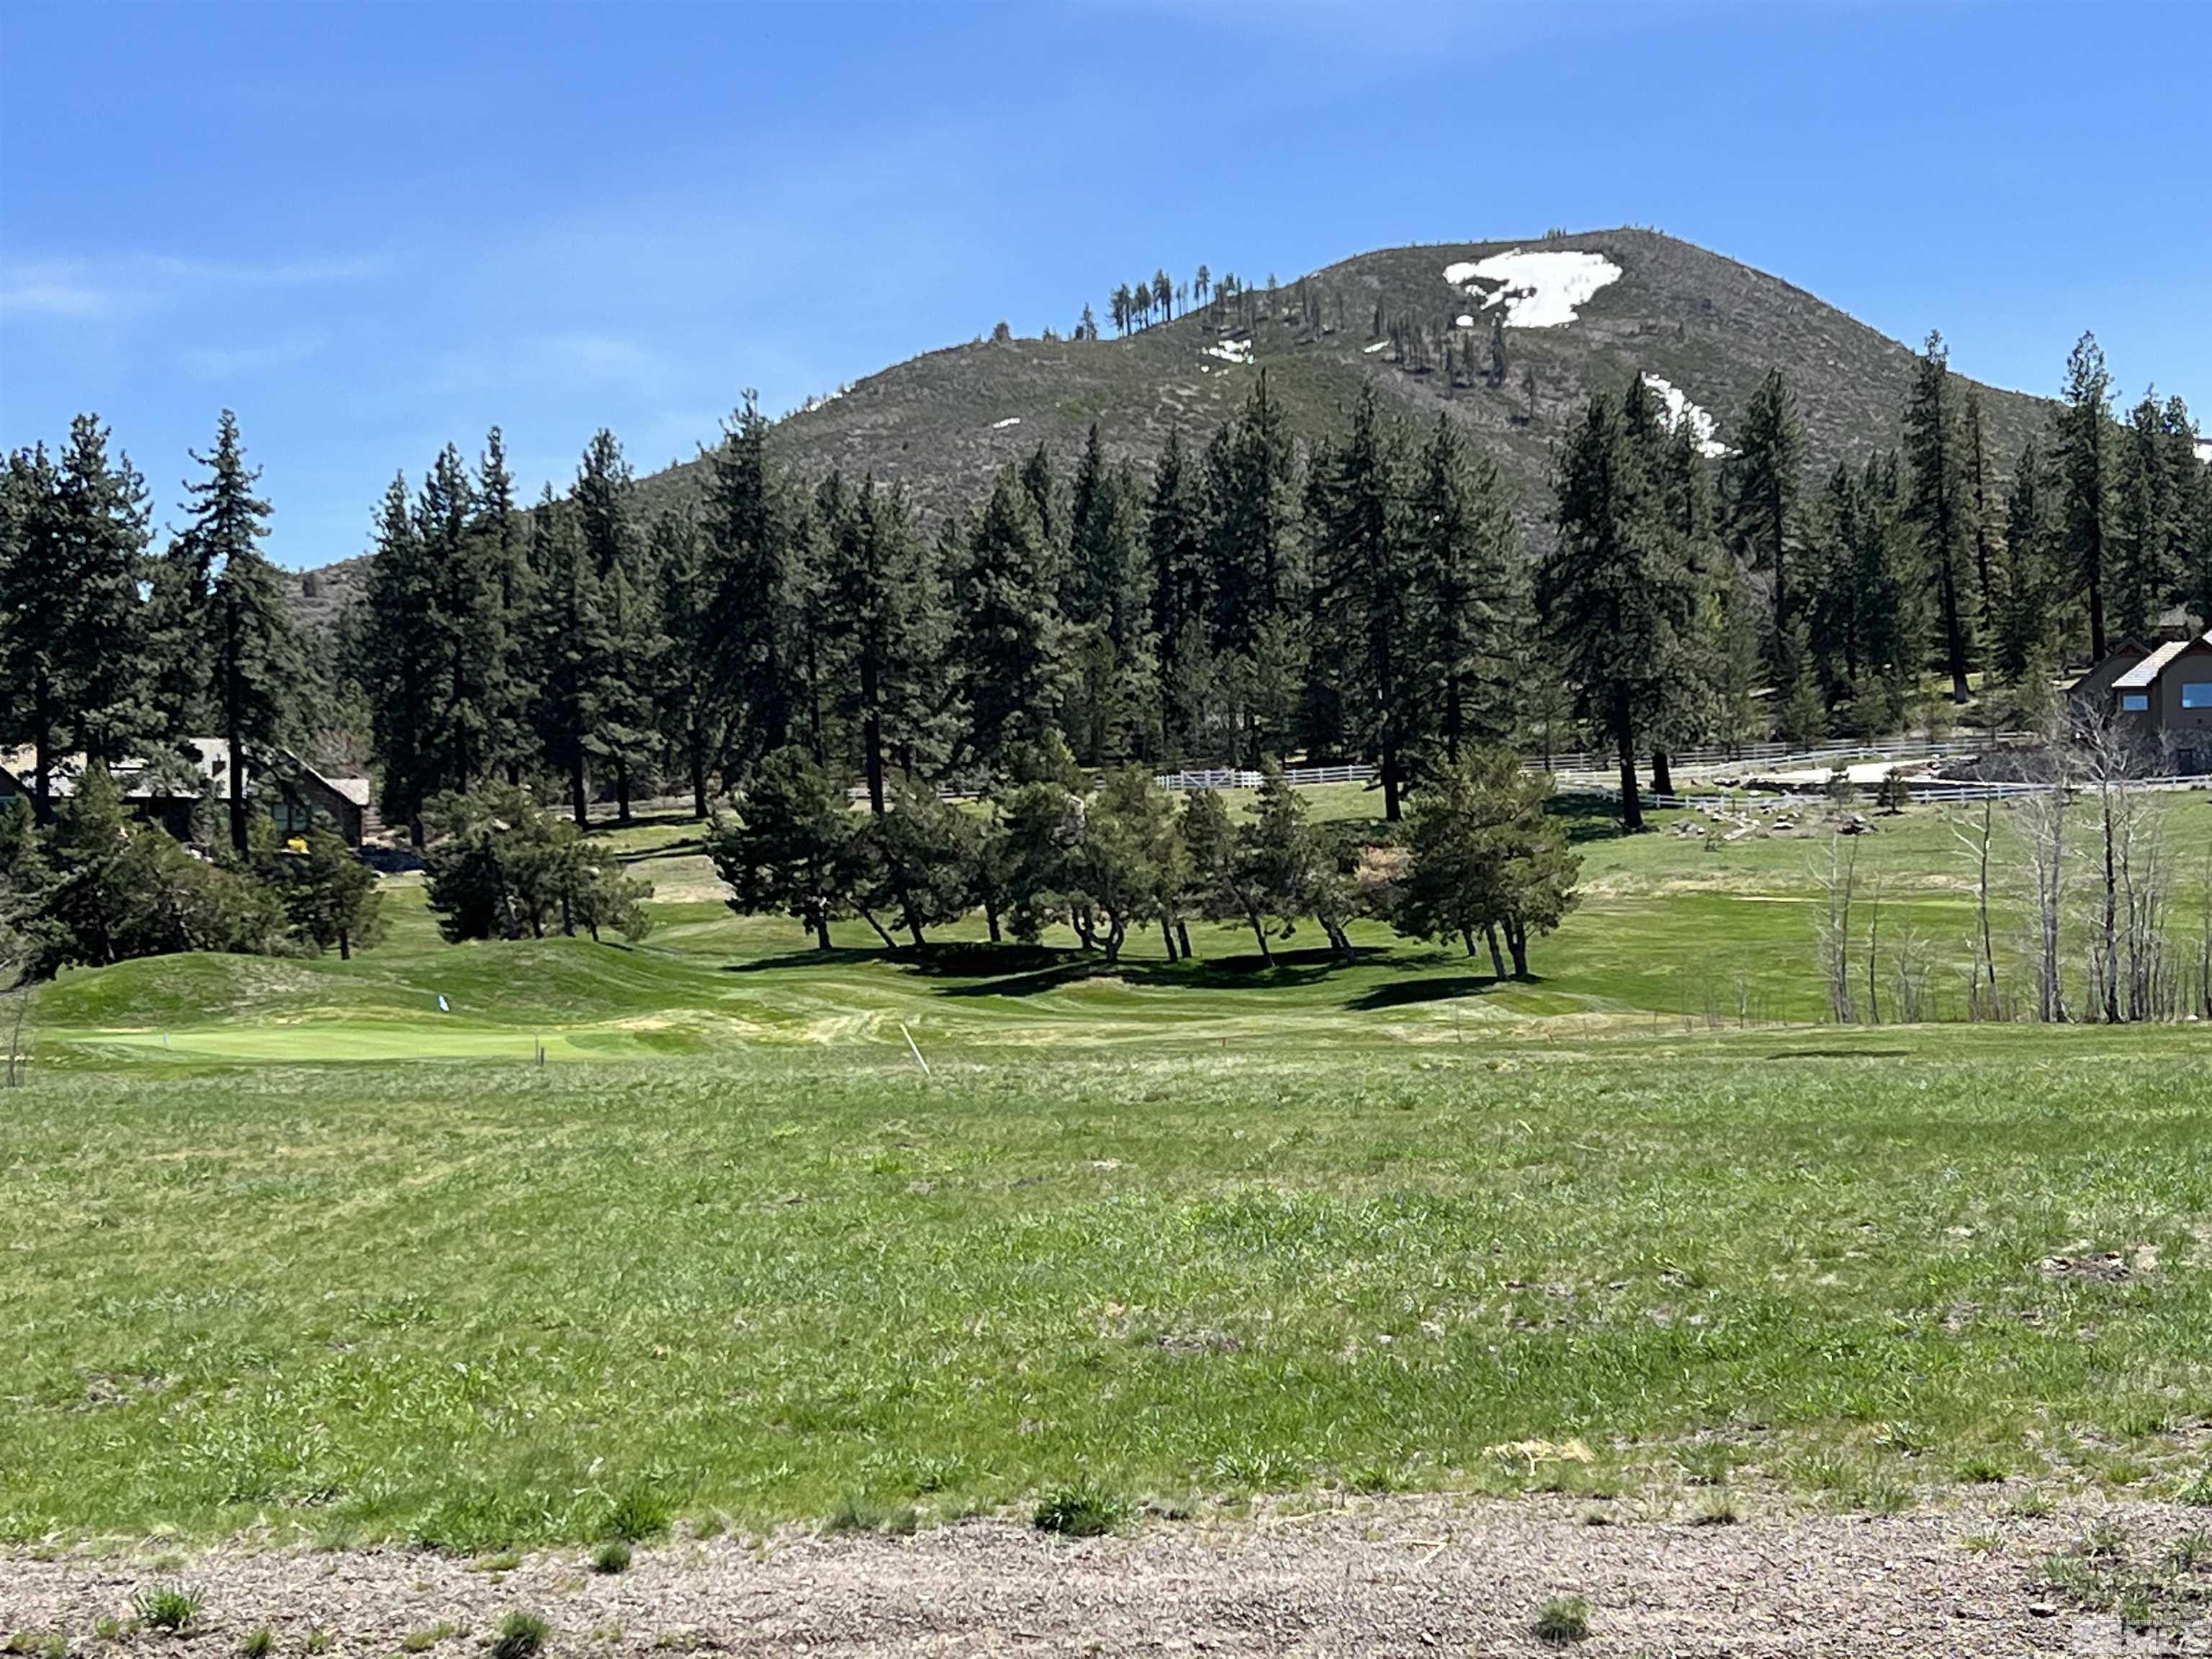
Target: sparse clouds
{"x":230,"y":362}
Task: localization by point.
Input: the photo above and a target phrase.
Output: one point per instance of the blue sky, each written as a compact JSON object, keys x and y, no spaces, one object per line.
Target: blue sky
{"x":370,"y":229}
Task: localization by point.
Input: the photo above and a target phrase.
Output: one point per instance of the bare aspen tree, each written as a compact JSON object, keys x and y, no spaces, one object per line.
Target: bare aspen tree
{"x":2044,"y":822}
{"x":2201,"y":1003}
{"x":1983,"y":1000}
{"x":1910,"y":965}
{"x":1873,"y":956}
{"x":1832,"y":925}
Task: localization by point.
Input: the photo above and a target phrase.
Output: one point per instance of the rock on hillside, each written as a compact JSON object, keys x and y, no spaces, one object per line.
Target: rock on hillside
{"x":1587,"y":310}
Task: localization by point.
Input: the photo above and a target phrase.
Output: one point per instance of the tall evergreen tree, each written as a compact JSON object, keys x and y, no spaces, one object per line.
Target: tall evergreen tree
{"x":570,"y":647}
{"x":1616,"y":592}
{"x":1764,"y":479}
{"x":395,"y":658}
{"x":1103,"y":596}
{"x":621,"y":733}
{"x":463,"y":604}
{"x":684,"y":675}
{"x":2025,"y":625}
{"x":503,"y":551}
{"x":101,"y":533}
{"x":257,"y":658}
{"x":1364,"y":574}
{"x":1938,"y":504}
{"x":1008,"y":641}
{"x":885,"y":609}
{"x":1981,"y":508}
{"x":2146,"y":524}
{"x":1468,"y":592}
{"x":753,"y":557}
{"x":2084,"y":455}
{"x":1176,"y":560}
{"x":34,"y":589}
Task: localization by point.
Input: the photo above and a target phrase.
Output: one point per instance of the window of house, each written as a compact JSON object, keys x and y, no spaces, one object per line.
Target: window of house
{"x":2196,"y":694}
{"x":2135,"y":702}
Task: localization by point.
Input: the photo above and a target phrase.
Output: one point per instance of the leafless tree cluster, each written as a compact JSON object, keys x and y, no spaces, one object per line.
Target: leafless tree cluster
{"x":2096,"y":880}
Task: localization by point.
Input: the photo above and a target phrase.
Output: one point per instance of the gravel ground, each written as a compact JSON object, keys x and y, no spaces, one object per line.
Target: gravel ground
{"x":1405,"y":1576}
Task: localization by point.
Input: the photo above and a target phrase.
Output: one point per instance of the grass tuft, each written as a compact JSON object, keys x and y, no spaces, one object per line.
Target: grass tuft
{"x":521,"y":1635}
{"x":612,"y":1557}
{"x":257,"y":1644}
{"x":1079,"y":1512}
{"x":1561,"y":1620}
{"x":635,"y":1517}
{"x":168,"y":1607}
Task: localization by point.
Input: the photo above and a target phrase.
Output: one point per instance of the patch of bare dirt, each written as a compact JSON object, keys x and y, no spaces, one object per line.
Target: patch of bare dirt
{"x":1396,"y":1576}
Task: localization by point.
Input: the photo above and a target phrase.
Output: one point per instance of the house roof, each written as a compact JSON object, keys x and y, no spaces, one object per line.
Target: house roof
{"x":2146,"y":672}
{"x":207,"y":759}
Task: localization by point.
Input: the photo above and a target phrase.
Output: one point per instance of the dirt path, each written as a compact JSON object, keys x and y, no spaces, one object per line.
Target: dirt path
{"x":1411,"y":1577}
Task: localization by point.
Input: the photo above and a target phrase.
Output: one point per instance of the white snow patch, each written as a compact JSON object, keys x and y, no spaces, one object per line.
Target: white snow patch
{"x":1464,"y":321}
{"x":1232,"y":351}
{"x":1369,"y":350}
{"x":2204,"y":450}
{"x":1539,"y":290}
{"x":1676,"y":410}
{"x":1011,"y":420}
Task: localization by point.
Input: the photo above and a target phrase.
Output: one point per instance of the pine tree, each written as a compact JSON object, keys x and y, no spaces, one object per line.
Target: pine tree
{"x":464,"y":626}
{"x":395,"y":658}
{"x":34,"y":581}
{"x":1938,"y":503}
{"x":570,"y":646}
{"x":623,"y":729}
{"x":1363,"y":569}
{"x":1174,"y":556}
{"x":886,"y":607}
{"x":1104,"y":600}
{"x":2146,"y":523}
{"x":2084,"y":450}
{"x":1468,"y":592}
{"x":1981,"y":509}
{"x":257,"y":655}
{"x":1008,"y":637}
{"x":792,"y":847}
{"x":1252,"y":513}
{"x":2024,"y":623}
{"x":1764,"y":479}
{"x":753,"y":560}
{"x":1616,"y":593}
{"x":503,"y":551}
{"x":683,"y":675}
{"x":100,"y":530}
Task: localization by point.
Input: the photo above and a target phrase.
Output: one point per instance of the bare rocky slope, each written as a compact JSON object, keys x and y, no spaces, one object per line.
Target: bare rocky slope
{"x":940,"y":423}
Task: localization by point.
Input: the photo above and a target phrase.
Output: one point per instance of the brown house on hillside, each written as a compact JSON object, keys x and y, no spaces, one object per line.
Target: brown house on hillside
{"x":2161,"y":694}
{"x":170,"y":791}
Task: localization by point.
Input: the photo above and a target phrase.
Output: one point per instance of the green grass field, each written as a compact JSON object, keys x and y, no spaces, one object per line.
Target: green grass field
{"x":290,"y":1250}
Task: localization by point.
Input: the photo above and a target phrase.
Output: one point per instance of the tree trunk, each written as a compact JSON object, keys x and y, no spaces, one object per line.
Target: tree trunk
{"x":577,"y":805}
{"x":821,"y":930}
{"x":622,"y":789}
{"x":1516,"y":941}
{"x":42,"y":745}
{"x":1663,"y":773}
{"x":1467,"y":937}
{"x":237,"y":789}
{"x":991,"y":920}
{"x":882,"y":933}
{"x":1167,"y":938}
{"x":1624,"y":738}
{"x":1182,"y":938}
{"x":1497,"y":956}
{"x":345,"y":945}
{"x":1260,"y":933}
{"x":1390,"y":812}
{"x":872,"y":735}
{"x":698,"y":771}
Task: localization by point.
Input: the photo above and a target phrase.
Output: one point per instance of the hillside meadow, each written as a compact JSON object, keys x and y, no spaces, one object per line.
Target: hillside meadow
{"x":292,"y":1252}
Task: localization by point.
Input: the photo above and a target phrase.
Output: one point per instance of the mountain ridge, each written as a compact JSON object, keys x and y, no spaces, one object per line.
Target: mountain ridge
{"x":1707,"y":326}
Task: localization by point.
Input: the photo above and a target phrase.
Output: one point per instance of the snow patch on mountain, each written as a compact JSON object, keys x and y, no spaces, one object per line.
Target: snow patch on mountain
{"x":2204,"y":450}
{"x":1368,"y":351}
{"x":1232,"y":351}
{"x":1011,"y":420}
{"x":1676,"y":411}
{"x":1464,"y":321}
{"x":1539,"y":288}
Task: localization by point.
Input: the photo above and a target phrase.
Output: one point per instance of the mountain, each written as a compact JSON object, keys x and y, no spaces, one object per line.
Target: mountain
{"x":1581,"y":311}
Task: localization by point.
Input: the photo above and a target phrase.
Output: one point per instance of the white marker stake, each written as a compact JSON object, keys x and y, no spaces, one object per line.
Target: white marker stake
{"x":918,"y":1059}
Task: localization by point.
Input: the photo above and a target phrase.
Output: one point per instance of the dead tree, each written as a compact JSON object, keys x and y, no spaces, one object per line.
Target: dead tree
{"x":1832,"y":926}
{"x":1983,"y":1000}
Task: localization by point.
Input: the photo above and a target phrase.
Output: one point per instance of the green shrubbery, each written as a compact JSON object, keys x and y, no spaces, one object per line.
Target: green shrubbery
{"x":96,"y":887}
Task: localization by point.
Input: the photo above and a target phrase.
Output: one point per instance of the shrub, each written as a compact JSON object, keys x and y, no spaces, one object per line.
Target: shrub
{"x":257,"y":1644}
{"x":612,"y":1557}
{"x":521,"y":1635}
{"x":168,"y":1606}
{"x":1562,"y":1619}
{"x":1079,"y":1512}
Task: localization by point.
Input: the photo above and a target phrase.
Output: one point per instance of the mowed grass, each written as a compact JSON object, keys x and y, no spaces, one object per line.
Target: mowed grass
{"x":290,"y":1252}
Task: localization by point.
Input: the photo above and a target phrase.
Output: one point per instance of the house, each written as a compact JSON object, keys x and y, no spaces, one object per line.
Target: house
{"x":2163,"y":699}
{"x":169,"y":789}
{"x":2090,"y":697}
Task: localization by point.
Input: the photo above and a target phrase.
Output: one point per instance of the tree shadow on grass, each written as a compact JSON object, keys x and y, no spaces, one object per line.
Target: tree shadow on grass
{"x":1587,"y":817}
{"x":1408,"y":993}
{"x":1048,"y":969}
